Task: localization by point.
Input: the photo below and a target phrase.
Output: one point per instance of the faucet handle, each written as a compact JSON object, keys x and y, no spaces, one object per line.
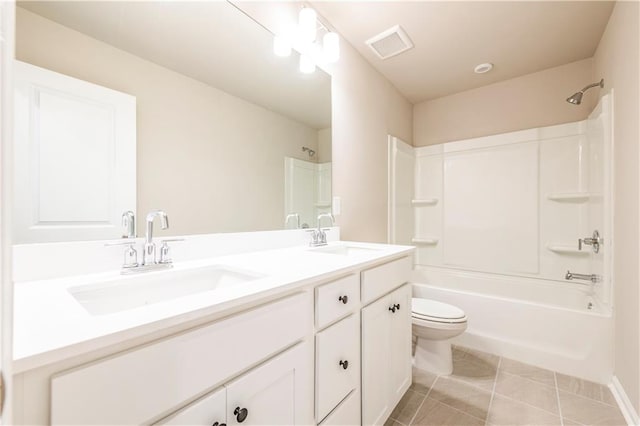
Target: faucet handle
{"x":165,"y":256}
{"x":130,"y":253}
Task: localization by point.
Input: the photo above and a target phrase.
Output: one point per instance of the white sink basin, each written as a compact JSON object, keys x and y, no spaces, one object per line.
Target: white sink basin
{"x":154,"y":287}
{"x":344,"y":250}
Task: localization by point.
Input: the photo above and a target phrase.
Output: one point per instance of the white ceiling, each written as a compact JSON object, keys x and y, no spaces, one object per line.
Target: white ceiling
{"x":212,"y":42}
{"x":452,"y":37}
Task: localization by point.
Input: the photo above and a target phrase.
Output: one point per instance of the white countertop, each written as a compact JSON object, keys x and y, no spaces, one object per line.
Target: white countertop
{"x":51,"y":325}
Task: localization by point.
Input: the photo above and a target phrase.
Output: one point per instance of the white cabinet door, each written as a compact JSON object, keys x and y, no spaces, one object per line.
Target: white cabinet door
{"x":400,"y":343}
{"x":376,"y":327}
{"x":75,"y":157}
{"x":279,"y":392}
{"x":207,"y":411}
{"x":337,"y":364}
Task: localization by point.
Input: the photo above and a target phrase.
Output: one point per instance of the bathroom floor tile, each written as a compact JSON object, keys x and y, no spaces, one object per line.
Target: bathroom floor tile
{"x":422,"y":381}
{"x":588,"y":411}
{"x":407,"y":407}
{"x":462,"y":396}
{"x":527,"y":391}
{"x":434,"y":413}
{"x":585,"y":388}
{"x":509,"y":412}
{"x":527,"y":371}
{"x":487,"y":389}
{"x":476,"y":368}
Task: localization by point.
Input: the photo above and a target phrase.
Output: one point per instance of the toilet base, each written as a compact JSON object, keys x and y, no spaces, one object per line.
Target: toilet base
{"x":434,"y":356}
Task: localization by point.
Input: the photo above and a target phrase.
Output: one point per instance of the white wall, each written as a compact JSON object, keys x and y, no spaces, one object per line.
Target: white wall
{"x":617,"y":60}
{"x":365,"y":109}
{"x":529,"y":101}
{"x":209,"y":159}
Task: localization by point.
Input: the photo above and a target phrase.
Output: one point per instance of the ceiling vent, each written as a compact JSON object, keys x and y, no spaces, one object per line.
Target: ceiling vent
{"x":390,"y":42}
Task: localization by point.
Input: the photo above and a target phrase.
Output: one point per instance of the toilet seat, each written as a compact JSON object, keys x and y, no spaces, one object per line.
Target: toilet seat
{"x":433,"y":311}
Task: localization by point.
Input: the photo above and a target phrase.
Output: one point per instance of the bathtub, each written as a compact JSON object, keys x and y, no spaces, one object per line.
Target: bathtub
{"x":554,"y":325}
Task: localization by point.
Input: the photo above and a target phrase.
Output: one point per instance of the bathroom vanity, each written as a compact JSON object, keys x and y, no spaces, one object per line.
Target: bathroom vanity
{"x":312,"y":336}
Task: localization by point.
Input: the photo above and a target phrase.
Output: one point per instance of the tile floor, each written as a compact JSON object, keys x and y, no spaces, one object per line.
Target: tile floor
{"x":486,"y":389}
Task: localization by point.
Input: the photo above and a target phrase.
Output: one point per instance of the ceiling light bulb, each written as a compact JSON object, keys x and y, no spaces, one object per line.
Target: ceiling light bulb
{"x":307,"y":65}
{"x":331,"y":47}
{"x":281,"y":46}
{"x":307,"y":21}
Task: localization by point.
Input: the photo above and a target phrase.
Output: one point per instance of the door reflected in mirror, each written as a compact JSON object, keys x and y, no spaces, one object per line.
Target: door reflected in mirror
{"x":214,"y":116}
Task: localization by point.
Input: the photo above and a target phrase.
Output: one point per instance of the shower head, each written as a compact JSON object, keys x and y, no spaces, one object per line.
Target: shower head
{"x":576,"y":98}
{"x":308,"y":151}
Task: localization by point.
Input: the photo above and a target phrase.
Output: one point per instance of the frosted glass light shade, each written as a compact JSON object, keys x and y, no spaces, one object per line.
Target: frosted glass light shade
{"x":281,"y":46}
{"x":331,"y":47}
{"x":307,"y":22}
{"x":307,"y":64}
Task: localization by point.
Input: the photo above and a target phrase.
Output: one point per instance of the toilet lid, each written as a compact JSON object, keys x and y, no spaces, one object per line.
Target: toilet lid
{"x":432,"y":309}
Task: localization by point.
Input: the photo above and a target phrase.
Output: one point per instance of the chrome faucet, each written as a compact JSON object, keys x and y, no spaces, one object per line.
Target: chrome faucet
{"x":149,"y":254}
{"x":586,"y":277}
{"x":129,"y":224}
{"x":318,"y":236}
{"x":295,"y":216}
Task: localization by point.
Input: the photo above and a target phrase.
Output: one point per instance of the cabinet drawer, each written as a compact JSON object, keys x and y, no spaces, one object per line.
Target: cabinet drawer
{"x":204,"y":412}
{"x":336,"y":299}
{"x":345,"y":414}
{"x":382,"y":279}
{"x":336,"y":347}
{"x":142,"y":384}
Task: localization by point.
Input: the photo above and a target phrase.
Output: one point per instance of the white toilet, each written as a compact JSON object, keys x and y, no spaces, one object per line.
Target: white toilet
{"x":434,"y":324}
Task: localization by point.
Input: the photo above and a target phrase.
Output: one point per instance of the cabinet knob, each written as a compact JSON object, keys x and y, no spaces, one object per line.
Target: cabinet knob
{"x":344,"y":364}
{"x":344,"y":299}
{"x":392,"y":308}
{"x":241,"y":414}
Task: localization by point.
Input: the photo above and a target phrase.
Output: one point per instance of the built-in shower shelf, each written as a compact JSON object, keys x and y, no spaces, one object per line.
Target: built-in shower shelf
{"x":569,"y":250}
{"x":570,"y":197}
{"x":425,"y":241}
{"x":424,"y":202}
{"x":325,"y":204}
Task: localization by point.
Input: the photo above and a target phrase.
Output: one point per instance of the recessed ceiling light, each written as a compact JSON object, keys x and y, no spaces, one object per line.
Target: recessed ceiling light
{"x":482,"y":68}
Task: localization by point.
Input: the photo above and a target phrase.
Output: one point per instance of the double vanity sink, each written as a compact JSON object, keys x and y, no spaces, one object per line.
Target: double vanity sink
{"x":134,"y":291}
{"x":273,"y":333}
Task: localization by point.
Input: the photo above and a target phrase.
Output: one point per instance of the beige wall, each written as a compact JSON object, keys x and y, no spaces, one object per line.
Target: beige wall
{"x":324,"y":145}
{"x":532,"y":100}
{"x":617,"y":60}
{"x":211,"y":160}
{"x":365,"y":109}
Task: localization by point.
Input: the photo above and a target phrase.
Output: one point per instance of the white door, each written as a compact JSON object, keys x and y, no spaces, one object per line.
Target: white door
{"x":279,"y":392}
{"x":75,"y":157}
{"x":7,"y":21}
{"x":400,"y":343}
{"x":376,"y":326}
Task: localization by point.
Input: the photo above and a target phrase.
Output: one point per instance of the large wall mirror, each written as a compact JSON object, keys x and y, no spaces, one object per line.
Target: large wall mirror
{"x":179,"y":106}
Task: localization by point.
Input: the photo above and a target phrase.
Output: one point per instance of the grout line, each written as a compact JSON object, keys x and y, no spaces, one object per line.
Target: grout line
{"x":493,"y":389}
{"x":555,"y":380}
{"x":424,"y":400}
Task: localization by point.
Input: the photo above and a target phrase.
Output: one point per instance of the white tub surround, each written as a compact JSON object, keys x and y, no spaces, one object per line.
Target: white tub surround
{"x":496,"y":222}
{"x":256,"y":336}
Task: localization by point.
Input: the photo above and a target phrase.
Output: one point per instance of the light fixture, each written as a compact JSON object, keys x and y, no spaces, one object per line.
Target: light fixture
{"x":303,"y":37}
{"x":331,"y":47}
{"x":307,"y":64}
{"x":308,"y":24}
{"x":483,"y":68}
{"x":281,"y":46}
